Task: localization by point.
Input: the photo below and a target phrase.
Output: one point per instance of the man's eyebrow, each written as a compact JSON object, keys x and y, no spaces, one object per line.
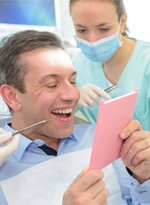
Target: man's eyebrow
{"x":47,"y":77}
{"x":74,"y":73}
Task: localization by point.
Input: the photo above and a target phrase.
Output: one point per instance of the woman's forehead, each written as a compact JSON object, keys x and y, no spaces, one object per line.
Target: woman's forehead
{"x":95,"y":11}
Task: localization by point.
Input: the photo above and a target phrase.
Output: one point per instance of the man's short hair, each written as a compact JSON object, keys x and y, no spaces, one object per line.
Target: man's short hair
{"x":12,"y":68}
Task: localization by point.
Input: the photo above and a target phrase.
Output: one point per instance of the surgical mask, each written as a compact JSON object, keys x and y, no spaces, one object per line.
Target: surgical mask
{"x":101,"y":50}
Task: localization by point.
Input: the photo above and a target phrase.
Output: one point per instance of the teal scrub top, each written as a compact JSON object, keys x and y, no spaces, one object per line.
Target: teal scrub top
{"x":135,"y":75}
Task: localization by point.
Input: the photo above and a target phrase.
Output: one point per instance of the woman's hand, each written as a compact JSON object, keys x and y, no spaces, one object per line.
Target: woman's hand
{"x":8,"y":144}
{"x":90,"y":94}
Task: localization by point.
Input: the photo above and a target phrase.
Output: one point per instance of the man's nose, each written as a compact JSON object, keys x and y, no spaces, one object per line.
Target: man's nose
{"x":70,"y":92}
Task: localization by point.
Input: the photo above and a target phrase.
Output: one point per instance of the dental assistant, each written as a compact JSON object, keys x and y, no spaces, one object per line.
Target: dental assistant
{"x":108,"y":56}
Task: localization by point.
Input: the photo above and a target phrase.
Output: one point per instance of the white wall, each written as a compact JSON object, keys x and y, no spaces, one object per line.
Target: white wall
{"x":138,"y":12}
{"x":65,"y":21}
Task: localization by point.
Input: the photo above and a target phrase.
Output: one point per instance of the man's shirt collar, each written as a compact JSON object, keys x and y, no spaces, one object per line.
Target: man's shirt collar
{"x":26,"y":142}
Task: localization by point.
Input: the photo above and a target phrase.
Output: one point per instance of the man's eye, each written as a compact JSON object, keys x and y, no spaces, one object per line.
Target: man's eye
{"x":73,"y":82}
{"x":51,"y":85}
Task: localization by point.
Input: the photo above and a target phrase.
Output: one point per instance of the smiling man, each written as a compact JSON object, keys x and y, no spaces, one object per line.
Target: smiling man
{"x":38,"y":82}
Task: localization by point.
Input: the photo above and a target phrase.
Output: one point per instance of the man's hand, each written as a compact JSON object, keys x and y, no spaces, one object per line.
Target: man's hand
{"x":90,"y":94}
{"x":87,"y":189}
{"x":8,"y":145}
{"x":136,"y":150}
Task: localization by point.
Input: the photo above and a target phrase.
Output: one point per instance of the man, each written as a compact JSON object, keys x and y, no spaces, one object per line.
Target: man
{"x":38,"y":82}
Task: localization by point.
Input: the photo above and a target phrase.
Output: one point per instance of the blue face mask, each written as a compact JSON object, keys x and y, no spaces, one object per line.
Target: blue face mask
{"x":101,"y":50}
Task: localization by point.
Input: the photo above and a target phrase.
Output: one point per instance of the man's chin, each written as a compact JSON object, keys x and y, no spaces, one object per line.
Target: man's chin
{"x":66,"y":132}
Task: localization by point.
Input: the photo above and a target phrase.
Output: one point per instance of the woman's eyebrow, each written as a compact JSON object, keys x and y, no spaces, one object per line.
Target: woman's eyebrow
{"x":78,"y":25}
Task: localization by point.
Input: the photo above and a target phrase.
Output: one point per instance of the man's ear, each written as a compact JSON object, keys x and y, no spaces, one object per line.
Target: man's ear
{"x":10,"y":96}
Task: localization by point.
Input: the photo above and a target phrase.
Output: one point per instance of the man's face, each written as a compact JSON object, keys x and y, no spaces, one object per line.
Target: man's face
{"x":51,"y":93}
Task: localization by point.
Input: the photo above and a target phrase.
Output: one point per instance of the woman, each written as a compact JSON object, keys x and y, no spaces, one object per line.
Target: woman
{"x":108,"y":56}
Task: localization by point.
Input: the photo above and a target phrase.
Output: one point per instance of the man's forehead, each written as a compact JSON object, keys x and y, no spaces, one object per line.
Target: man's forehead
{"x":45,"y":51}
{"x":47,"y":56}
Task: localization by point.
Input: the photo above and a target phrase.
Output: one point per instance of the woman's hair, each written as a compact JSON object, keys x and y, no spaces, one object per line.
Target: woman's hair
{"x":12,"y":67}
{"x":120,"y":8}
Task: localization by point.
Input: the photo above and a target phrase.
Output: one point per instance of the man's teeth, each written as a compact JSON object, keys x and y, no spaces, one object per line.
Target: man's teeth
{"x":65,"y":111}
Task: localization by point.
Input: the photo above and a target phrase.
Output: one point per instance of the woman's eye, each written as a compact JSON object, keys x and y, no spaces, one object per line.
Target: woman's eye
{"x":104,"y":30}
{"x":80,"y":30}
